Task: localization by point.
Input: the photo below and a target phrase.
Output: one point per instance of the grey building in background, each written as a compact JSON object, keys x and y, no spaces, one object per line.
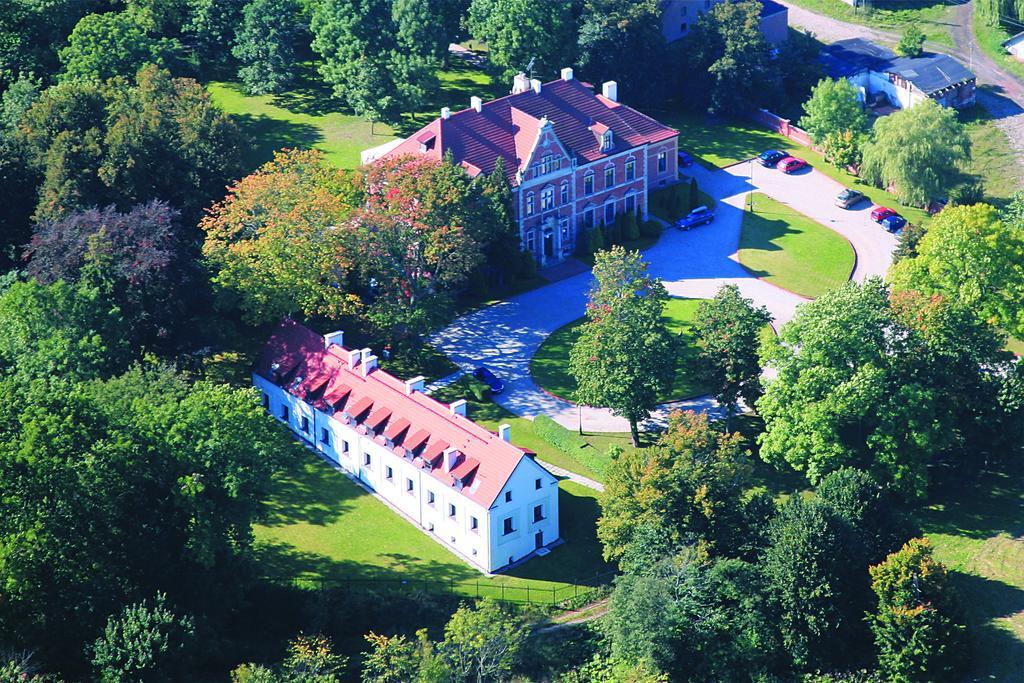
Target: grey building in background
{"x":680,"y":16}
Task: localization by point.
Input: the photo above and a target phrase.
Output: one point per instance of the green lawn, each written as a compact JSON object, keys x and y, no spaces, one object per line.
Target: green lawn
{"x":977,"y":528}
{"x":788,"y":249}
{"x":550,"y":365}
{"x":307,"y":115}
{"x":931,"y":16}
{"x":990,"y":40}
{"x":320,"y":525}
{"x":992,"y":159}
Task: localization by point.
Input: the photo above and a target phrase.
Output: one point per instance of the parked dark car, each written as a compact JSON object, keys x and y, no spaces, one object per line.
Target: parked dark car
{"x":791,"y":165}
{"x":685,"y":160}
{"x":848,"y":198}
{"x":879,"y":213}
{"x":770,"y":158}
{"x":702,"y":215}
{"x":484,"y":374}
{"x":893,"y":223}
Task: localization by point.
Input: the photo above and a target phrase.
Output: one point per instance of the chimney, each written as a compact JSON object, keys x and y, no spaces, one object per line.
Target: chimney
{"x":567,"y":74}
{"x":353,"y":358}
{"x":505,"y":431}
{"x":610,"y":90}
{"x":457,"y":408}
{"x":476,"y":103}
{"x":446,"y":113}
{"x":451,"y":456}
{"x":536,"y":85}
{"x":369,"y":364}
{"x":414,"y":384}
{"x":520,"y":83}
{"x":334,"y":338}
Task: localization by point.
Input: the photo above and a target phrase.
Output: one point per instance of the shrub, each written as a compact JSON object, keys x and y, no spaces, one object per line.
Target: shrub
{"x":651,"y":228}
{"x":614,"y":231}
{"x":558,"y":436}
{"x":630,"y":229}
{"x":967,"y":194}
{"x":595,"y":239}
{"x":527,"y":265}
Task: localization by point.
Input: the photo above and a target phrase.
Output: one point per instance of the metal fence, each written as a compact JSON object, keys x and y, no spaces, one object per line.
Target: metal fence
{"x":476,"y":588}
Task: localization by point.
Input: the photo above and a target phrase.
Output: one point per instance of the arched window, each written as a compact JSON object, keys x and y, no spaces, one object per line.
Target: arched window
{"x":529,"y":204}
{"x":588,"y":183}
{"x":547,"y":198}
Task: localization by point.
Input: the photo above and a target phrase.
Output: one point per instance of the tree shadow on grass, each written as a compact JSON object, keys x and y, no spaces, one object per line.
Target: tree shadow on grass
{"x":989,"y":505}
{"x":998,"y":653}
{"x":311,"y":492}
{"x":762,"y":232}
{"x":309,"y":94}
{"x":268,"y":135}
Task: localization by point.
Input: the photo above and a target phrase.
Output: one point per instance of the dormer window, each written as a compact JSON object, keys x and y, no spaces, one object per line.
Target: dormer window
{"x":606,"y":141}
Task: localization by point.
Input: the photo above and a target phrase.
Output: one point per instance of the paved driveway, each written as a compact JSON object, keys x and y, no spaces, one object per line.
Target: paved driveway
{"x":692,"y":264}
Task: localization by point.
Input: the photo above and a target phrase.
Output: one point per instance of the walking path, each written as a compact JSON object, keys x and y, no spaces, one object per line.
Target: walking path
{"x":571,"y":476}
{"x":694,"y":264}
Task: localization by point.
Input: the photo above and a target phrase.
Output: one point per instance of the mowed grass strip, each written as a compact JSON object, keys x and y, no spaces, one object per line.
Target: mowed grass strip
{"x":550,"y":365}
{"x":319,"y":525}
{"x":782,"y":246}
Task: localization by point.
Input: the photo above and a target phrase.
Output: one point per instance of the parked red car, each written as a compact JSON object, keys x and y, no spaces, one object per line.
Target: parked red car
{"x":791,"y":164}
{"x":880,"y":213}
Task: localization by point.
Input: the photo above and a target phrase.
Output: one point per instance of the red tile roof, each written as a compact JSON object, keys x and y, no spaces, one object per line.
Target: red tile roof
{"x":508,"y":126}
{"x":408,"y":420}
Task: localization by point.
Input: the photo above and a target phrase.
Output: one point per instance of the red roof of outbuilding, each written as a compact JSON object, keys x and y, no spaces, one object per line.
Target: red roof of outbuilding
{"x":508,"y":127}
{"x":487,"y":461}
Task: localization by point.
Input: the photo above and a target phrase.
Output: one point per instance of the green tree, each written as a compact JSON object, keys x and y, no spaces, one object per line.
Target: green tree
{"x":690,"y":487}
{"x":818,"y":579}
{"x":694,"y":620}
{"x":126,"y":143}
{"x":17,"y":175}
{"x":918,"y":630}
{"x":265,"y":45}
{"x":833,"y":108}
{"x":482,"y":643}
{"x":728,"y":329}
{"x":144,"y":642}
{"x":368,"y":68}
{"x":518,"y":31}
{"x":137,"y":484}
{"x":729,"y":59}
{"x":970,"y":256}
{"x":886,"y":385}
{"x":400,"y":660}
{"x":114,"y":44}
{"x":911,"y":42}
{"x":210,"y":29}
{"x":424,"y":27}
{"x":844,"y":149}
{"x":624,"y":358}
{"x":278,"y":244}
{"x":621,"y":40}
{"x":60,"y":330}
{"x":918,"y":151}
{"x":910,"y":237}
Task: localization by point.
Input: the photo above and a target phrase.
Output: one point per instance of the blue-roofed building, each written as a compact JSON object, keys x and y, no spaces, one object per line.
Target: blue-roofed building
{"x":885,"y":79}
{"x":678,"y":17}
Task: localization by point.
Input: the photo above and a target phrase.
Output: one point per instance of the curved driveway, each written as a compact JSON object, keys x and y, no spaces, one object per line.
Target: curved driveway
{"x":692,"y":264}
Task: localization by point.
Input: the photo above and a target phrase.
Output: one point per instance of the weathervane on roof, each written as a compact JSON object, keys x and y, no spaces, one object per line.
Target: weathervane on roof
{"x":529,"y":66}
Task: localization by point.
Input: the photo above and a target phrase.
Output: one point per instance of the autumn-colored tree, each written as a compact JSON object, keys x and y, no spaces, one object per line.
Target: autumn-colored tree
{"x":918,"y":633}
{"x":690,"y":487}
{"x":278,"y":243}
{"x":412,"y":249}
